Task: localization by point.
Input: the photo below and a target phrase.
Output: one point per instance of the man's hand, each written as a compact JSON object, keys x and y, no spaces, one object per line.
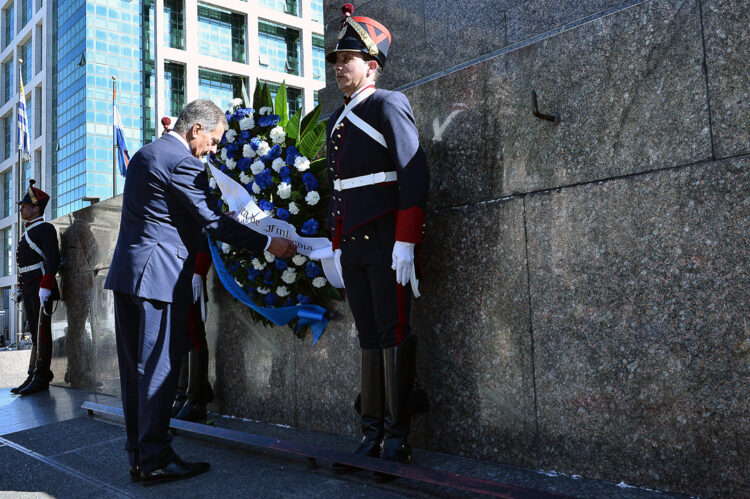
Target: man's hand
{"x":282,"y":248}
{"x":403,"y":261}
{"x":44,"y":295}
{"x":197,"y":287}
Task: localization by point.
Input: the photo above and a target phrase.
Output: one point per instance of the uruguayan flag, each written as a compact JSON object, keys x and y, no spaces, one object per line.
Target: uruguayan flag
{"x":119,"y":136}
{"x":24,"y":141}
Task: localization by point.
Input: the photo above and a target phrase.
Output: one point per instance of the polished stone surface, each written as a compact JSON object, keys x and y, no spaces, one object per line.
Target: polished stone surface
{"x":727,"y":47}
{"x":635,"y":102}
{"x":475,"y":355}
{"x":640,"y":313}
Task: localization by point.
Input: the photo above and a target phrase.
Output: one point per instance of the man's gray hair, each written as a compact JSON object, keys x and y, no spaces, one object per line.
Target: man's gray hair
{"x":201,"y":111}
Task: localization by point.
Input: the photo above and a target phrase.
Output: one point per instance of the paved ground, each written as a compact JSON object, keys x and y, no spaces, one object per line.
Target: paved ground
{"x":14,"y":365}
{"x":49,"y":447}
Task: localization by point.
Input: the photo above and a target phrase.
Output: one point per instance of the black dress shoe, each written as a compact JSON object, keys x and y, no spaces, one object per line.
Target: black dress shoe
{"x":22,"y":385}
{"x":135,"y":474}
{"x":192,"y":411}
{"x":175,"y":470}
{"x":38,"y":384}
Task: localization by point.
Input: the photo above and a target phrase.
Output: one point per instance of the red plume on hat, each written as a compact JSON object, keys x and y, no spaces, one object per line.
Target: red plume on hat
{"x":361,"y":34}
{"x":35,"y":196}
{"x":165,"y":122}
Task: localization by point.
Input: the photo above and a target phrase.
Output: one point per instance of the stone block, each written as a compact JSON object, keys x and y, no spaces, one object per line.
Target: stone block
{"x":475,"y":355}
{"x":639,"y":309}
{"x":727,"y":46}
{"x":630,"y":90}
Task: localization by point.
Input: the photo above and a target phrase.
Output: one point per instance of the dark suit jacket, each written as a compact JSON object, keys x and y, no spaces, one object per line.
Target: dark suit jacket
{"x":166,"y":205}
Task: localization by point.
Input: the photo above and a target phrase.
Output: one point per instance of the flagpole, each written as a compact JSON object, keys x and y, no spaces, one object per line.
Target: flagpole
{"x":19,"y":184}
{"x":114,"y":142}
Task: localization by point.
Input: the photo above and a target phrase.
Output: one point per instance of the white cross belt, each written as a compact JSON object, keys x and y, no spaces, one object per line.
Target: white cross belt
{"x":370,"y":179}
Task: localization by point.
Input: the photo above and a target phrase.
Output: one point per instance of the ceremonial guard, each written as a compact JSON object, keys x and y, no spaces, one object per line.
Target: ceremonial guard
{"x":194,"y":391}
{"x":38,"y":258}
{"x":379,"y":181}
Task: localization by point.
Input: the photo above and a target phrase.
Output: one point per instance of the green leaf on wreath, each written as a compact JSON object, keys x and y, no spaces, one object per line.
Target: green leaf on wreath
{"x":280,"y":105}
{"x":245,"y":99}
{"x":292,"y":126}
{"x":313,"y":140}
{"x":308,"y":123}
{"x":256,"y":96}
{"x":265,"y":99}
{"x":319,"y":165}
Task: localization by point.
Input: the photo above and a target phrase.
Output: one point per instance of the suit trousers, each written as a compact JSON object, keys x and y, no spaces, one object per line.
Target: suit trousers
{"x":151,"y":340}
{"x":379,"y":304}
{"x":40,"y":325}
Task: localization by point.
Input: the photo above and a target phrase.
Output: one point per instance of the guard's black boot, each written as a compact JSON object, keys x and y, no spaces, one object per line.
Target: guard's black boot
{"x":39,"y":383}
{"x":372,"y":399}
{"x":182,"y":382}
{"x":195,"y":406}
{"x":25,"y":383}
{"x":399,"y":367}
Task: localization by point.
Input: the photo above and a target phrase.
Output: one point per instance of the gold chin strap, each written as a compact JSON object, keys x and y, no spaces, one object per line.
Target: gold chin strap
{"x":372,"y":49}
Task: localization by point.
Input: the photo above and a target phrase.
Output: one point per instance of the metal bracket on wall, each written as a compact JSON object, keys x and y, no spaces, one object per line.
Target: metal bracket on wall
{"x":554,"y":117}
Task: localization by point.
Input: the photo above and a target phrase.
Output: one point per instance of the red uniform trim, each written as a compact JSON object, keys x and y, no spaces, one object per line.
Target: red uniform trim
{"x":203,"y":263}
{"x":47,"y":282}
{"x":409,"y":224}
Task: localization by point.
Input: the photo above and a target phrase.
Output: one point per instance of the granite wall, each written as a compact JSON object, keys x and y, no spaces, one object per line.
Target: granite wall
{"x":585,"y":303}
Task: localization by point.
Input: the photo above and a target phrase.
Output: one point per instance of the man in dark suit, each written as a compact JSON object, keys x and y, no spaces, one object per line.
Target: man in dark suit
{"x":379,"y":181}
{"x":166,"y":206}
{"x":38,"y":258}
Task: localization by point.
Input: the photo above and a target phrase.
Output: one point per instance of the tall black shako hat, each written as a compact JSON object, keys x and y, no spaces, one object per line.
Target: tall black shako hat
{"x":35,"y":196}
{"x":361,"y":34}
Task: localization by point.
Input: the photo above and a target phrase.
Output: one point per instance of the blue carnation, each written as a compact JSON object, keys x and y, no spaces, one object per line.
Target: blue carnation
{"x":220,"y":203}
{"x":283,"y":214}
{"x":289,"y":302}
{"x":304,"y":299}
{"x":310,"y":181}
{"x":271,"y":299}
{"x":244,"y":112}
{"x":224,"y":168}
{"x":312,"y":270}
{"x":267,"y":277}
{"x":274,"y":153}
{"x":244,"y":137}
{"x":265,"y":205}
{"x":263,"y":179}
{"x":255,"y":143}
{"x":270,"y":120}
{"x":292,"y":154}
{"x":285,"y":172}
{"x":280,"y":264}
{"x":233,"y":267}
{"x":286,"y":180}
{"x":309,"y":228}
{"x":252,"y":274}
{"x":244,"y":164}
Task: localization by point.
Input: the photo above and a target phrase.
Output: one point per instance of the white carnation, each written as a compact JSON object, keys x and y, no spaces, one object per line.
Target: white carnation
{"x":247,"y":151}
{"x":302,"y":163}
{"x":282,"y":291}
{"x":289,"y":275}
{"x":278,"y":135}
{"x":256,"y":188}
{"x":265,"y":111}
{"x":257,"y":167}
{"x":224,"y":155}
{"x":284,"y":190}
{"x":269,"y":256}
{"x":244,"y":178}
{"x":319,"y":282}
{"x":231,"y":164}
{"x":225,"y":248}
{"x":258,"y":265}
{"x":293,"y":208}
{"x":212,"y":183}
{"x":231,"y":135}
{"x":299,"y":260}
{"x":247,"y":123}
{"x":312,"y":198}
{"x":263,"y":291}
{"x":277,"y":164}
{"x":263,"y":148}
{"x":235,"y":102}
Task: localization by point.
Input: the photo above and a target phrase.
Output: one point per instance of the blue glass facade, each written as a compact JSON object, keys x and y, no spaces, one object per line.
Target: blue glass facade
{"x":94,"y":41}
{"x":218,"y":87}
{"x":221,"y":33}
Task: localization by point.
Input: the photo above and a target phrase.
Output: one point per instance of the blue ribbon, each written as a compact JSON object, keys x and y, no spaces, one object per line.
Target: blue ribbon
{"x":308,"y":315}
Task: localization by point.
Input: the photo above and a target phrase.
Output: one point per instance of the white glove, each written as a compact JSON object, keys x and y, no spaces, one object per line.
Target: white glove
{"x":44,"y":295}
{"x":403,"y":261}
{"x":197,"y":287}
{"x":322,"y":253}
{"x":337,"y":263}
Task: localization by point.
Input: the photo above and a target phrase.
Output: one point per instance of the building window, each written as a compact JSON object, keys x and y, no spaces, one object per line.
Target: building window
{"x":319,"y":58}
{"x":7,"y":248}
{"x":220,"y":88}
{"x":290,"y":7}
{"x":28,"y":63}
{"x":30,"y":116}
{"x":316,"y":100}
{"x":293,"y":96}
{"x":278,"y":48}
{"x":8,"y":79}
{"x":8,"y":15}
{"x":8,"y":203}
{"x":221,"y":33}
{"x":316,"y":6}
{"x":174,"y":24}
{"x":174,"y":88}
{"x":7,"y":134}
{"x":27,"y":11}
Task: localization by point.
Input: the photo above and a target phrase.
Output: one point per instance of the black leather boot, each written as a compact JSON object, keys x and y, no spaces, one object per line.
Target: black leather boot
{"x":23,"y":385}
{"x":182,"y":382}
{"x":372,"y":399}
{"x":399,"y":367}
{"x":195,"y":406}
{"x":42,"y":373}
